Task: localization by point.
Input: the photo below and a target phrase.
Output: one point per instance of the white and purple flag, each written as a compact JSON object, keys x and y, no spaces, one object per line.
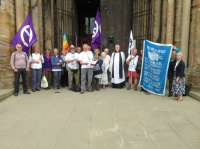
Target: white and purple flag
{"x":131,"y":43}
{"x":96,"y":36}
{"x":25,"y":35}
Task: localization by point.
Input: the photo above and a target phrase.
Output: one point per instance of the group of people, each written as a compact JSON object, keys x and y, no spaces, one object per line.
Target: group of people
{"x":89,"y":70}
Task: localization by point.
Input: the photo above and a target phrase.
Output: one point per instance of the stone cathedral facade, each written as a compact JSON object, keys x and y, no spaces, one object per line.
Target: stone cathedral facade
{"x":164,"y":21}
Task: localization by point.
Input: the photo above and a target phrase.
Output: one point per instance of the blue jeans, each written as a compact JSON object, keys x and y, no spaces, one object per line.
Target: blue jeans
{"x":57,"y":76}
{"x":17,"y":76}
{"x":36,"y":78}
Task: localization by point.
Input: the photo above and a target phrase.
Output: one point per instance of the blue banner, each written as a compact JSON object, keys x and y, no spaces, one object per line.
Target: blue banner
{"x":155,"y":64}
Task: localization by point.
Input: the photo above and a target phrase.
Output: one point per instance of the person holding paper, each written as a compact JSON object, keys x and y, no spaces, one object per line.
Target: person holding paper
{"x":36,"y":60}
{"x":73,"y":66}
{"x":86,"y":59}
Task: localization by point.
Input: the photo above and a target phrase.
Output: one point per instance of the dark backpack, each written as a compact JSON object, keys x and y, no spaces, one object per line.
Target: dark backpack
{"x":187,"y":89}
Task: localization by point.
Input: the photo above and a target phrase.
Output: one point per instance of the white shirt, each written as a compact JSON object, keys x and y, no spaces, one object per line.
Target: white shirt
{"x":86,"y":57}
{"x":75,"y":57}
{"x":177,"y":62}
{"x":108,"y":58}
{"x":133,"y":62}
{"x":36,"y":57}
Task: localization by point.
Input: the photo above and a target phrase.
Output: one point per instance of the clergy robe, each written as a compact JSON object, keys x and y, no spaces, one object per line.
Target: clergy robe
{"x":117,"y":69}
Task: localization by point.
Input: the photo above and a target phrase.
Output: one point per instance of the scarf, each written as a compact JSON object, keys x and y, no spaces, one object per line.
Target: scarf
{"x":120,"y":66}
{"x":48,"y":56}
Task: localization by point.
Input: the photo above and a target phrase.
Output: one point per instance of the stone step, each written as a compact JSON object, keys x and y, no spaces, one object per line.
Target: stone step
{"x":195,"y":94}
{"x":5,"y":93}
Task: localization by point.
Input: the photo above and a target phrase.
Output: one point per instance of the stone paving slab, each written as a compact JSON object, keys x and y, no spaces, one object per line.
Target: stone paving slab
{"x":105,"y":119}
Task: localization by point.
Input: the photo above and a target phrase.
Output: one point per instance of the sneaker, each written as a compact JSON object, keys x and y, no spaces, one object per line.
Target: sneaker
{"x":15,"y":94}
{"x":135,"y":87}
{"x":33,"y":90}
{"x":82,"y":92}
{"x":37,"y":89}
{"x":90,"y":90}
{"x":70,"y":88}
{"x":27,"y":92}
{"x":129,"y":87}
{"x":56,"y":90}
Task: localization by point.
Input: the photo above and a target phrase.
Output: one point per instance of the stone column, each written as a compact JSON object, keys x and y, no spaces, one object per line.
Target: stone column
{"x":185,"y":29}
{"x":156,"y":23}
{"x":48,"y":13}
{"x":19,"y":13}
{"x":40,"y":19}
{"x":35,"y":20}
{"x":178,"y":22}
{"x":26,"y":7}
{"x":164,"y":21}
{"x":170,"y":22}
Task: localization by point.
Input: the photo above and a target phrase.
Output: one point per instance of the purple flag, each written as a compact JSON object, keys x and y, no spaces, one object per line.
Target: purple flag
{"x":96,"y":36}
{"x":25,"y":35}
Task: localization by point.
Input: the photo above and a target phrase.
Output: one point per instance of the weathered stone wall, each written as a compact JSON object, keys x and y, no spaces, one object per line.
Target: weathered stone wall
{"x":7,"y":30}
{"x":194,"y":45}
{"x":193,"y":52}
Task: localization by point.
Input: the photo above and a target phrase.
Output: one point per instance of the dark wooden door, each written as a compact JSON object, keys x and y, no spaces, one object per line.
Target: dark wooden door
{"x":116,"y":23}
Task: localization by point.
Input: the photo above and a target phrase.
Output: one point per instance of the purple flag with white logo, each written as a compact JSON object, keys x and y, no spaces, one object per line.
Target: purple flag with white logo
{"x":96,"y":36}
{"x":25,"y":35}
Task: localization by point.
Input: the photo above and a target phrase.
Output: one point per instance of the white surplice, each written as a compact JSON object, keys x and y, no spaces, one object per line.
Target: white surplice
{"x":117,"y":79}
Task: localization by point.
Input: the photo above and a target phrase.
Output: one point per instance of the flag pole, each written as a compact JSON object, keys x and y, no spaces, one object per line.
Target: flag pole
{"x":131,"y":74}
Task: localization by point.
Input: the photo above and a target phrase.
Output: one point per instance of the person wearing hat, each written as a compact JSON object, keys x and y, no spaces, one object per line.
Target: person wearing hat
{"x":72,"y":59}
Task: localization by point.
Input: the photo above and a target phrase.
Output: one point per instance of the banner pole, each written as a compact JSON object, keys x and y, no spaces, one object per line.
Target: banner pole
{"x":131,"y":73}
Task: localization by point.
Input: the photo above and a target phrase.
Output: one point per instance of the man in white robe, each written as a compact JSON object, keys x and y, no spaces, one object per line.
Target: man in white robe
{"x":117,"y":68}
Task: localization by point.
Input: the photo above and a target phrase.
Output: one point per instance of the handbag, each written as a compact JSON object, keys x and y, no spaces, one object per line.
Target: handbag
{"x":44,"y":82}
{"x":74,"y":70}
{"x":138,"y":69}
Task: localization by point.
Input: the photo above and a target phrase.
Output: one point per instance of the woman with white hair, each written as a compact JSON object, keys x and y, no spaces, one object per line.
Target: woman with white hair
{"x":36,"y":60}
{"x":107,"y":54}
{"x":178,"y":86}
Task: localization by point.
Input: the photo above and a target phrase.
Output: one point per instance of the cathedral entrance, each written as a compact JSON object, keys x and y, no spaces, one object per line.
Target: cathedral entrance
{"x":86,"y":17}
{"x":75,"y":18}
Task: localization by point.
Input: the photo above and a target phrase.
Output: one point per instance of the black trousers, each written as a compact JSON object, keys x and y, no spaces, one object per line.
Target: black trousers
{"x":64,"y":78}
{"x":23,"y":72}
{"x":170,"y":85}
